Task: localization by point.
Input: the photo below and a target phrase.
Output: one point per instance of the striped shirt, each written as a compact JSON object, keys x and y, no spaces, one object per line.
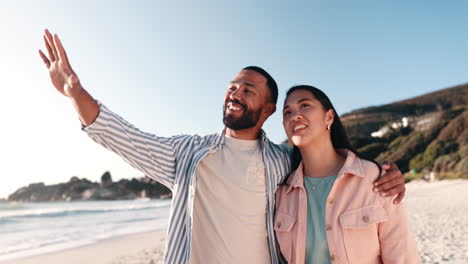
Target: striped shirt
{"x":172,"y":161}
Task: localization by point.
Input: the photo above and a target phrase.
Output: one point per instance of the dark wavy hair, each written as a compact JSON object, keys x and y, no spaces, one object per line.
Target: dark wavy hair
{"x":338,"y":134}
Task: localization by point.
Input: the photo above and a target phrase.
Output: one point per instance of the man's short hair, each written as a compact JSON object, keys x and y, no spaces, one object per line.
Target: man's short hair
{"x":270,"y":81}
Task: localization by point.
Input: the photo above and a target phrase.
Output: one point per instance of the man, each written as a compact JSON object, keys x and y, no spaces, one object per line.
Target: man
{"x":223,"y":184}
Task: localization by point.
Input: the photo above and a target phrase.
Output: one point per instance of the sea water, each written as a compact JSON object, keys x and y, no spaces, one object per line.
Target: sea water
{"x":28,"y":229}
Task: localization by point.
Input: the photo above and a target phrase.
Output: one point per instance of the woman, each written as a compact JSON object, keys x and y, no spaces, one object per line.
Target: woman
{"x":326,"y":211}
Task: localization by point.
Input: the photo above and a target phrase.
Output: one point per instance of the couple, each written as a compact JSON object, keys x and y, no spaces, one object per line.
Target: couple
{"x":224,"y":185}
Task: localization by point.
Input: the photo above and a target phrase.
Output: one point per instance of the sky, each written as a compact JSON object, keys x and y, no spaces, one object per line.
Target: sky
{"x":165,"y":66}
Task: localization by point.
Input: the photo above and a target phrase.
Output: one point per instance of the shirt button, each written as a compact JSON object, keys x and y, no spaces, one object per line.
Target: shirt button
{"x":330,"y":201}
{"x":328,"y":227}
{"x":333,"y":257}
{"x":365,"y":219}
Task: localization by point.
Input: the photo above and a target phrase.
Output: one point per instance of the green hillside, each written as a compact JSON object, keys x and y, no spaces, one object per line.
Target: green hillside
{"x":421,"y":134}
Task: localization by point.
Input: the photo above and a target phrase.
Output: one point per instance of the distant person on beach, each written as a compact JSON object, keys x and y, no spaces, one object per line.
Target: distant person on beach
{"x":325,"y":209}
{"x":223,"y":184}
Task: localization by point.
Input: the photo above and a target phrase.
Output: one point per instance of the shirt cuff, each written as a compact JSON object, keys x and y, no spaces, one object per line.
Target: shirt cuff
{"x":100,"y":122}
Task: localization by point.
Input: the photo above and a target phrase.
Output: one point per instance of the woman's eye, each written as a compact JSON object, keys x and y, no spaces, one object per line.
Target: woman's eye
{"x":286,"y":113}
{"x":304,"y":105}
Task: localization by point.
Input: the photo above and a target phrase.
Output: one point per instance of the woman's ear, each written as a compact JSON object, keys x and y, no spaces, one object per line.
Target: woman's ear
{"x":330,"y":116}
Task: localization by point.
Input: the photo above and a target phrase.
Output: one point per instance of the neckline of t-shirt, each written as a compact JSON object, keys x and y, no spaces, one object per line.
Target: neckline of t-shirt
{"x":243,"y":144}
{"x":315,"y":179}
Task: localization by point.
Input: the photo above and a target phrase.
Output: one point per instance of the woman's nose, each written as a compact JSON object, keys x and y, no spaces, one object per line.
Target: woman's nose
{"x":297,"y":116}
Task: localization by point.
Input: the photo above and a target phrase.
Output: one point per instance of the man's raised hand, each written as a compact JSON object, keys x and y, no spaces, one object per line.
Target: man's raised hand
{"x":65,"y":80}
{"x":61,"y":73}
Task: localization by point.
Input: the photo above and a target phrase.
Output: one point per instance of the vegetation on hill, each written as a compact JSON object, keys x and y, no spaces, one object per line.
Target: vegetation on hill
{"x":434,"y":140}
{"x":362,"y":122}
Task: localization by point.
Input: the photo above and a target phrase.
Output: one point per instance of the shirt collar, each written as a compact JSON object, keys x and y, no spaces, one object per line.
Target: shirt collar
{"x":352,"y":166}
{"x":219,"y":140}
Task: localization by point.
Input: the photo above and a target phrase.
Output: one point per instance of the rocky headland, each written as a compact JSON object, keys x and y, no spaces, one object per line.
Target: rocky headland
{"x":83,"y":189}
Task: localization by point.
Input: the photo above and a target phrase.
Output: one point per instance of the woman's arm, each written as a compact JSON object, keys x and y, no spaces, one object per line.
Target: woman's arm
{"x":397,"y":243}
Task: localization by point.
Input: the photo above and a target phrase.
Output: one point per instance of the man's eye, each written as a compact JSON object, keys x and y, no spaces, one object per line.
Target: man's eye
{"x":304,"y":105}
{"x":286,"y":113}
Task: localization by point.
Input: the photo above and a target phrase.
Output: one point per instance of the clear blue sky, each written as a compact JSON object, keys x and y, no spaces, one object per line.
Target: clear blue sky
{"x":165,"y":65}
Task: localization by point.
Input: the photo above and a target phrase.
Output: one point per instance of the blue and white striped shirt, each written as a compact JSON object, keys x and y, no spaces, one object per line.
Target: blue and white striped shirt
{"x":172,"y":161}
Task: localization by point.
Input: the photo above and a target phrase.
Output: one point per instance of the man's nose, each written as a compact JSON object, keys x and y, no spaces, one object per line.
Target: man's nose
{"x":235,"y":94}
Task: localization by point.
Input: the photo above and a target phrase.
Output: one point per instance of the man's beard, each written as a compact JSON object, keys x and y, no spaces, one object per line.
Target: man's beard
{"x":248,"y":119}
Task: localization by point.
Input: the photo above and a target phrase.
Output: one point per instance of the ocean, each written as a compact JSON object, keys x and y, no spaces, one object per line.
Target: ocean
{"x":28,"y":229}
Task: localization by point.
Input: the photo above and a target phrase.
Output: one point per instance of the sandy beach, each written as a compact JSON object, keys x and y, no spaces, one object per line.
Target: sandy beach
{"x":147,"y":247}
{"x":437,"y":211}
{"x":438,"y":215}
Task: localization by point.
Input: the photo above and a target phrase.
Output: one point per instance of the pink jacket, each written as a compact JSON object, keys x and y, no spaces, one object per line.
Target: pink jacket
{"x":362,"y":227}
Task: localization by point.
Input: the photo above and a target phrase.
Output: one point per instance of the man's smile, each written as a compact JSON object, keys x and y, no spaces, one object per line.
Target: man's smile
{"x":234,"y":107}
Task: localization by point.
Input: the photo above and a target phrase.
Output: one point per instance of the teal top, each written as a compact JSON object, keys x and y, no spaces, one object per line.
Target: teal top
{"x":316,"y":244}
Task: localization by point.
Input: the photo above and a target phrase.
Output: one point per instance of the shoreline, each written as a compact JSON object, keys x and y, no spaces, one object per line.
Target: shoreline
{"x":436,"y":214}
{"x":130,"y":248}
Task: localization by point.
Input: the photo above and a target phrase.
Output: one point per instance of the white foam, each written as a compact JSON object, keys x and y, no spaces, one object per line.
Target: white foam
{"x":87,"y":207}
{"x":35,"y":230}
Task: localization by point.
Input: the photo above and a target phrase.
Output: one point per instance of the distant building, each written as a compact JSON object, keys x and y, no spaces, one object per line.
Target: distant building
{"x":395,"y":125}
{"x":381,"y":132}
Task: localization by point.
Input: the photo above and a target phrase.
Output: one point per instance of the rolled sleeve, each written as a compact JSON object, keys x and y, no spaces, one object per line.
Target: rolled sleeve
{"x":154,"y":156}
{"x":100,"y":123}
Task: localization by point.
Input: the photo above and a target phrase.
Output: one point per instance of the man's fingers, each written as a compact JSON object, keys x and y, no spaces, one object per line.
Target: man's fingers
{"x":389,"y":185}
{"x":50,"y":41}
{"x":61,"y":52}
{"x":385,"y":165}
{"x":392,"y":191}
{"x":44,"y":58}
{"x":399,"y":197}
{"x":49,"y":49}
{"x":388,"y":175}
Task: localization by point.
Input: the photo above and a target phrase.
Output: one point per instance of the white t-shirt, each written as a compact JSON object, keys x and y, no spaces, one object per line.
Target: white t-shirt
{"x":229,"y":210}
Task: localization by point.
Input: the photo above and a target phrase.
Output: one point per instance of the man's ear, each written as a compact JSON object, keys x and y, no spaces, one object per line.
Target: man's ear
{"x":270,"y":109}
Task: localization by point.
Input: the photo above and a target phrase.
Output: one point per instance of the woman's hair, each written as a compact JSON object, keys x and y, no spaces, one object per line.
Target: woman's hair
{"x":338,"y":134}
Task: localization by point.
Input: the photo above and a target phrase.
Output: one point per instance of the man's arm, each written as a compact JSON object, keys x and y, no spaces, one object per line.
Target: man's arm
{"x":391,"y":182}
{"x":152,"y":155}
{"x":66,"y":81}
